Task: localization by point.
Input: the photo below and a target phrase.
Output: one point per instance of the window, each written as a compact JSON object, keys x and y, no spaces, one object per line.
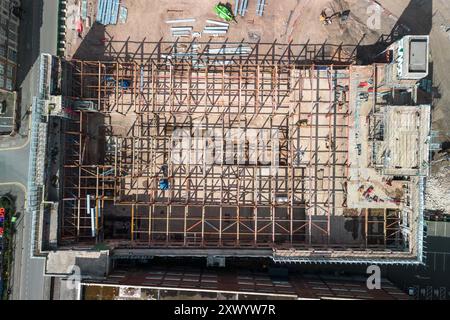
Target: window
{"x":12,"y":55}
{"x":9,"y":84}
{"x":10,"y":71}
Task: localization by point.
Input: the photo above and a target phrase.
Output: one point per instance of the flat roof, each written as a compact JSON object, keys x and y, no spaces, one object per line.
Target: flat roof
{"x":418,"y":55}
{"x":406,"y":133}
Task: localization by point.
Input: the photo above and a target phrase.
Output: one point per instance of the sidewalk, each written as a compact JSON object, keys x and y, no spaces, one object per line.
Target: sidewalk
{"x":8,"y":142}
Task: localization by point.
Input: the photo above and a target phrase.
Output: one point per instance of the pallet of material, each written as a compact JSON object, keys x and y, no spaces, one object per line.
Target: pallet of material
{"x":108,"y":11}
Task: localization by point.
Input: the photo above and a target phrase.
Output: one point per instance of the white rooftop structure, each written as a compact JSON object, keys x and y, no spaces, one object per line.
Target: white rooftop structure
{"x":411,"y":56}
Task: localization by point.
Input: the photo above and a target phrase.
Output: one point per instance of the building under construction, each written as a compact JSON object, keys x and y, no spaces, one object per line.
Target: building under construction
{"x":292,"y":152}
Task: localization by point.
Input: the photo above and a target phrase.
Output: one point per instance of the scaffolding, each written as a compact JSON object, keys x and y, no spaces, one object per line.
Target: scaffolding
{"x":275,"y":177}
{"x":238,"y":200}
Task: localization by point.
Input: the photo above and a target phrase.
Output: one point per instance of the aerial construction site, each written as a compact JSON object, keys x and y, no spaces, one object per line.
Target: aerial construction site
{"x":232,"y":132}
{"x":253,"y":150}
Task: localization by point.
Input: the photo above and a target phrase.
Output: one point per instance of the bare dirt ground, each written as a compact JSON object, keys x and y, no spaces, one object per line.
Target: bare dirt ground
{"x":283,"y":21}
{"x":298,"y":21}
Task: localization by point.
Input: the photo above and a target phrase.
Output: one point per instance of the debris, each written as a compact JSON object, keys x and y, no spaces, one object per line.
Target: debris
{"x":254,"y":36}
{"x":437,"y":186}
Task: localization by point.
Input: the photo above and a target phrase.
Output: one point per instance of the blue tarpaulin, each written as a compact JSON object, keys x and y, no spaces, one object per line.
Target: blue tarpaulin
{"x":164,"y":184}
{"x":108,"y":11}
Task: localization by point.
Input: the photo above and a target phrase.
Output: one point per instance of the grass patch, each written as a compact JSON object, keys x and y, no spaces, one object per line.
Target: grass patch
{"x":101,"y":246}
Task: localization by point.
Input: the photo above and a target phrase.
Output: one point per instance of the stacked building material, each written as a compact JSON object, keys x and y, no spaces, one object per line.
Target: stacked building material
{"x":241,"y":50}
{"x":123,"y":15}
{"x":84,"y":9}
{"x":240,"y":7}
{"x":236,"y":6}
{"x":181,"y":31}
{"x":260,"y":7}
{"x":216,"y":27}
{"x":180,"y":21}
{"x":108,"y":11}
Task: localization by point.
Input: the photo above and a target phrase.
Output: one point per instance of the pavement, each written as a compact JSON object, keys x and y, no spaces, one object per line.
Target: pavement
{"x":38,"y":34}
{"x":431,"y":281}
{"x":14,"y":164}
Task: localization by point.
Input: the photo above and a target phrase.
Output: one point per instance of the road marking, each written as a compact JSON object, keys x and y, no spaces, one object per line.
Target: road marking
{"x":28,"y":133}
{"x":17,"y":148}
{"x":17,"y":184}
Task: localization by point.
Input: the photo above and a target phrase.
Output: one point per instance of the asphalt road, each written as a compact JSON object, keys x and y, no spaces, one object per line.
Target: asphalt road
{"x":38,"y":35}
{"x":14,"y":165}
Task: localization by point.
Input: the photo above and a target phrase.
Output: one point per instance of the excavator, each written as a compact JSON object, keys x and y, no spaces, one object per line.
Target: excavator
{"x":224,"y":12}
{"x":326,"y":19}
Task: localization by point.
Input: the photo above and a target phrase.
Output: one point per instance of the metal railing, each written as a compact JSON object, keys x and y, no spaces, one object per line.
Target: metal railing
{"x":36,"y":167}
{"x":38,"y":151}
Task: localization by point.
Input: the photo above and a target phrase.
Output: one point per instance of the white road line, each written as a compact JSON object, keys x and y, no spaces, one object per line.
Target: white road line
{"x":26,"y":142}
{"x":17,"y":184}
{"x":16,"y":148}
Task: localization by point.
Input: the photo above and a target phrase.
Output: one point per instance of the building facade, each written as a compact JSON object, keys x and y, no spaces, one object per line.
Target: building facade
{"x":9,"y":42}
